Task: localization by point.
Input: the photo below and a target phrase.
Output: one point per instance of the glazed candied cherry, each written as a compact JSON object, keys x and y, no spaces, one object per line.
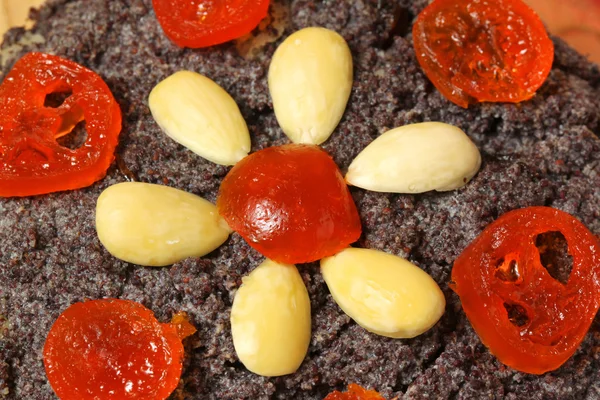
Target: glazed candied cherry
{"x":203,"y":23}
{"x":475,"y":51}
{"x":32,"y":162}
{"x":114,"y":349}
{"x":290,"y":203}
{"x":355,"y":392}
{"x":529,"y":320}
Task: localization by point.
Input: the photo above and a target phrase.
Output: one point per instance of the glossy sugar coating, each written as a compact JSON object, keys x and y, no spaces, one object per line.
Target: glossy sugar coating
{"x":290,"y":203}
{"x":483,"y":50}
{"x":355,"y":392}
{"x":31,"y":160}
{"x":501,"y":271}
{"x":114,"y":349}
{"x":203,"y":23}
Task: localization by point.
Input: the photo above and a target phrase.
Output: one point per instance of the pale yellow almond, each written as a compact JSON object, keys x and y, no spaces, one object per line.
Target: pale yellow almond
{"x":383,"y":293}
{"x":416,"y":158}
{"x":154,"y":225}
{"x":199,"y":114}
{"x":310,"y":79}
{"x":270,"y":320}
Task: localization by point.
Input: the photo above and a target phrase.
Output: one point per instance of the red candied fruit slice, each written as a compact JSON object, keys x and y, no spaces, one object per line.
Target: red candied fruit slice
{"x":32,"y":162}
{"x":528,"y":319}
{"x":355,"y":392}
{"x":290,"y":203}
{"x":114,"y":349}
{"x":475,"y":51}
{"x":203,"y":23}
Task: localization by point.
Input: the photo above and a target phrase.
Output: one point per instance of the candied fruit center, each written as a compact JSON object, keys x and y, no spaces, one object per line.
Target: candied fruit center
{"x":290,"y":203}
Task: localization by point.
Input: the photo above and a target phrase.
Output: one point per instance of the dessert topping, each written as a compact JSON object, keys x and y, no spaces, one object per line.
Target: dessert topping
{"x":476,"y":51}
{"x":199,"y":114}
{"x":203,"y":23}
{"x":416,"y":158}
{"x":156,"y":225}
{"x":310,"y":79}
{"x":355,"y":392}
{"x":270,"y":320}
{"x":290,"y":203}
{"x":531,"y":321}
{"x":181,"y":321}
{"x":32,"y":162}
{"x":383,"y":293}
{"x":113,"y":348}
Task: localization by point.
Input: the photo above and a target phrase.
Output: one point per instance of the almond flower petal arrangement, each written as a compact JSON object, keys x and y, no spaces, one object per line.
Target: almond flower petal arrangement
{"x":291,"y":203}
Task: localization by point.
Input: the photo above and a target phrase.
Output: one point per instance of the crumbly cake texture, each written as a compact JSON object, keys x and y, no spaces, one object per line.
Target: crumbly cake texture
{"x":542,"y":152}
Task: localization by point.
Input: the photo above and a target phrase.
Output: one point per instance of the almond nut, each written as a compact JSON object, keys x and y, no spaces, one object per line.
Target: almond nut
{"x":310,"y":79}
{"x":156,"y":225}
{"x":197,"y":113}
{"x":383,"y":293}
{"x":416,"y":158}
{"x":270,"y":320}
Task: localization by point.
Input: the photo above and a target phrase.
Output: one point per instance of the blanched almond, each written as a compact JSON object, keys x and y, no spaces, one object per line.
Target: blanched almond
{"x":310,"y":79}
{"x":383,"y":293}
{"x":270,"y":320}
{"x":197,"y":113}
{"x":416,"y":158}
{"x":156,"y":225}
